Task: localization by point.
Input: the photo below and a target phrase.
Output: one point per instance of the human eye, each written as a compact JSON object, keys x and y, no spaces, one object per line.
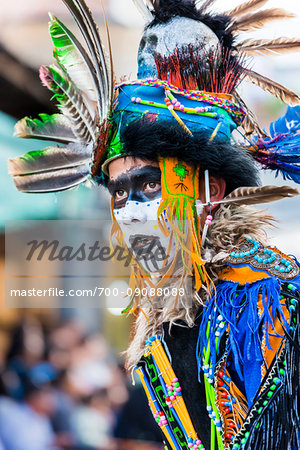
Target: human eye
{"x":152,"y":186}
{"x":120,"y":194}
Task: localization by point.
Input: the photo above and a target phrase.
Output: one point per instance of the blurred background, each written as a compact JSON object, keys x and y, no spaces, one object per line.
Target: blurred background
{"x":62,"y":380}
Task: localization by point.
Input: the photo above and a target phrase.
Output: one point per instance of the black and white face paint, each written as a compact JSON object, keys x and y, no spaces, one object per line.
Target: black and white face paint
{"x":137,"y":196}
{"x":165,"y":38}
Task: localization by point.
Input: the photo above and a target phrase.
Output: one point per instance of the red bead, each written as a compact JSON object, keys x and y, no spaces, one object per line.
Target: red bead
{"x":224,"y":394}
{"x":168,"y":399}
{"x":220,"y":383}
{"x":227,"y":410}
{"x":161,"y":413}
{"x":232,"y":424}
{"x":222,"y":402}
{"x":228,"y":436}
{"x":221,"y":374}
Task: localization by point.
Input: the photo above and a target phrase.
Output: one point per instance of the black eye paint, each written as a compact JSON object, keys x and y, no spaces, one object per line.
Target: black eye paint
{"x":134,"y":182}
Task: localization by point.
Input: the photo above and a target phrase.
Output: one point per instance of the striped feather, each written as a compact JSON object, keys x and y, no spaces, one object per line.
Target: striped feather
{"x":269,"y":47}
{"x":88,"y":28}
{"x":245,"y":8}
{"x":70,"y":54}
{"x":257,"y":20}
{"x":50,"y":158}
{"x":255,"y":195}
{"x":71,"y":102}
{"x":52,"y":181}
{"x":276,"y":89}
{"x":51,"y":128}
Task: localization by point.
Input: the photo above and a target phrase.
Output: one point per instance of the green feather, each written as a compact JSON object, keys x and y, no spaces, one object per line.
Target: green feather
{"x":70,"y":54}
{"x":54,"y":128}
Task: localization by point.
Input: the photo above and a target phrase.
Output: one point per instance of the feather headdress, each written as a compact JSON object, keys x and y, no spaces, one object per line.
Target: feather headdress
{"x":83,"y":86}
{"x":245,"y":17}
{"x":82,"y":83}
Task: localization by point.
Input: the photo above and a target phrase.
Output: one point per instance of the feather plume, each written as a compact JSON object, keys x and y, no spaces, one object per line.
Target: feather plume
{"x":51,"y":128}
{"x":273,"y":88}
{"x":269,"y":47}
{"x":258,"y":20}
{"x":49,"y":159}
{"x":204,"y":7}
{"x":255,"y":195}
{"x":245,"y":8}
{"x":70,"y":101}
{"x":143,"y":10}
{"x":70,"y":54}
{"x":88,"y":28}
{"x":52,"y":181}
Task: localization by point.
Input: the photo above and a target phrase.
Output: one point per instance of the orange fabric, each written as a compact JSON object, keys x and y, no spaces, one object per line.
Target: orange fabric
{"x":242,"y":275}
{"x":178,"y":178}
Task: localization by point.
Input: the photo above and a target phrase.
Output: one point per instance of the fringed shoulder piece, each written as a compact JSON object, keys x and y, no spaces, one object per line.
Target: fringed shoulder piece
{"x":251,"y":261}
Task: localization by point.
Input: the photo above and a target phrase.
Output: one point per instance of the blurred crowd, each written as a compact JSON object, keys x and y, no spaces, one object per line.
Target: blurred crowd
{"x":65,"y":389}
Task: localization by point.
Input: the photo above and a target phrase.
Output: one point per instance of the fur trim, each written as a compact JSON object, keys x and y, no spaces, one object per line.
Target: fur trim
{"x":230,"y":225}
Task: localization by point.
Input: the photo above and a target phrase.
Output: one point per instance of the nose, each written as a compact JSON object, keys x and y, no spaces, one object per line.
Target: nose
{"x":133,"y":212}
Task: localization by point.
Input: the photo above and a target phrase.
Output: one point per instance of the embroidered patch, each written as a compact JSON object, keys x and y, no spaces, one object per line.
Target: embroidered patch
{"x":262,"y":258}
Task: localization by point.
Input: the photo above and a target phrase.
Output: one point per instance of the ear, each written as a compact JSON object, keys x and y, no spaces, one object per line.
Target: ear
{"x":217,"y":191}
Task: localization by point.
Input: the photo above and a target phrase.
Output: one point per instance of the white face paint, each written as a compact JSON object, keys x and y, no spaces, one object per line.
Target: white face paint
{"x":165,"y":38}
{"x":143,"y":236}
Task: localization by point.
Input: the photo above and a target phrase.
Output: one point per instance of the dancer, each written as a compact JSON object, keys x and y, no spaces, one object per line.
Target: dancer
{"x":216,"y":337}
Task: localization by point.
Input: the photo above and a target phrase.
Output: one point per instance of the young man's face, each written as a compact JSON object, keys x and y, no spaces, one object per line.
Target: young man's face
{"x":135,"y":186}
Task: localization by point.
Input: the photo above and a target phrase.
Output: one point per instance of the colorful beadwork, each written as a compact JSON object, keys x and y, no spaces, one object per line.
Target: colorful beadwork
{"x":265,"y":259}
{"x":238,"y":114}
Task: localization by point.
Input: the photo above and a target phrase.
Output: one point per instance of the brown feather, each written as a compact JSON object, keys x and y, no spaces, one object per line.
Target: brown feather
{"x":264,"y":194}
{"x":267,"y":47}
{"x":257,"y":20}
{"x":203,"y":8}
{"x":286,"y":95}
{"x":246,"y":7}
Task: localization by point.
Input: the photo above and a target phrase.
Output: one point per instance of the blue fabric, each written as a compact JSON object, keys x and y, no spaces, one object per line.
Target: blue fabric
{"x":194,"y":122}
{"x":282,"y":152}
{"x":289,"y":123}
{"x":238,"y":306}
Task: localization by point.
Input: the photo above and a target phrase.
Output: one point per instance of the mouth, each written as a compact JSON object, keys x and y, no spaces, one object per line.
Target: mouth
{"x":138,"y":242}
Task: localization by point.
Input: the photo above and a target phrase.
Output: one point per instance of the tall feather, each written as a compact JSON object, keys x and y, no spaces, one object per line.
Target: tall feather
{"x":143,"y":10}
{"x":51,"y":128}
{"x":257,"y":20}
{"x":269,"y":47}
{"x":246,"y":8}
{"x":279,"y":91}
{"x":70,"y":54}
{"x":90,"y":33}
{"x":255,"y":195}
{"x":50,"y":158}
{"x":70,"y":101}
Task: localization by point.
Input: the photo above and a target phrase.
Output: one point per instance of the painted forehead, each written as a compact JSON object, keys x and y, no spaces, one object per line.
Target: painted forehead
{"x":135,"y":176}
